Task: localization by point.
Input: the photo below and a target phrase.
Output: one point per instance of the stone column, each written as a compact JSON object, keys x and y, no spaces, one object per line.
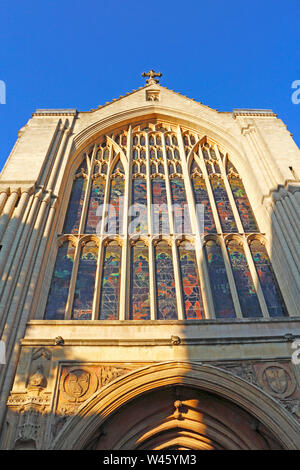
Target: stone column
{"x":7,"y":211}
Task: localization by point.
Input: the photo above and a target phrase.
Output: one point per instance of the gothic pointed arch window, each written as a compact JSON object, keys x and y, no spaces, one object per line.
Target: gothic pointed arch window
{"x":139,"y":282}
{"x":85,"y":282}
{"x":202,"y":200}
{"x":116,"y":200}
{"x":59,"y":291}
{"x":191,"y":286}
{"x":160,"y":214}
{"x":244,"y":282}
{"x":267,"y":279}
{"x":73,"y":217}
{"x":222,"y":298}
{"x":110,"y":282}
{"x":243,"y":205}
{"x":165,"y":282}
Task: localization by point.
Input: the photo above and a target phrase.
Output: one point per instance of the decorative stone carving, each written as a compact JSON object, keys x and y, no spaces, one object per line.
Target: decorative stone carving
{"x":293,"y":406}
{"x":37,"y":381}
{"x":178,"y":409}
{"x":41,"y":352}
{"x":30,"y":408}
{"x":58,"y":341}
{"x":243,"y":370}
{"x":108,"y":373}
{"x":277,"y":380}
{"x":152,"y":95}
{"x":79,"y":384}
{"x":175,"y":340}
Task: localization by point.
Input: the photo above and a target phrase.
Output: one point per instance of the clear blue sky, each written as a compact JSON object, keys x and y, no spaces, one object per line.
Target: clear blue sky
{"x":79,"y":54}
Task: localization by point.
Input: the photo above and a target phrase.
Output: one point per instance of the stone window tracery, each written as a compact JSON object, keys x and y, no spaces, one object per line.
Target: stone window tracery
{"x":151,"y":209}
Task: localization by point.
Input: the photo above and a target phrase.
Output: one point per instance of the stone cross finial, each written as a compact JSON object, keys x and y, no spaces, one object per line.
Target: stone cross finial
{"x":151,"y":74}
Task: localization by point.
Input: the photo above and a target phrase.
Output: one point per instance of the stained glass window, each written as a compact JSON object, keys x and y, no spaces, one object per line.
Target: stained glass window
{"x":243,"y":280}
{"x":110,"y":283}
{"x":242,"y":203}
{"x":85,"y":282}
{"x":182,"y":222}
{"x":219,"y":284}
{"x":201,"y":198}
{"x":139,"y":206}
{"x":95,"y":207}
{"x":59,"y":289}
{"x":72,"y":220}
{"x":193,"y":305}
{"x":151,"y":144}
{"x":165,"y":282}
{"x":139,"y":283}
{"x":116,"y":204}
{"x":270,"y":288}
{"x":160,"y":217}
{"x":223,"y":205}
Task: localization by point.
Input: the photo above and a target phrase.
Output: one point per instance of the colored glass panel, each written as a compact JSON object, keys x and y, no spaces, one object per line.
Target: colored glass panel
{"x":110,"y":283}
{"x":205,"y":154}
{"x":219,"y":284}
{"x":176,"y":154}
{"x":267,"y":280}
{"x":82,"y":167}
{"x":217,"y":168}
{"x":243,"y":204}
{"x":85,"y":282}
{"x":201,"y":197}
{"x":160,"y":217}
{"x":165,"y":283}
{"x":223,"y":205}
{"x":193,"y":305}
{"x":213,"y":154}
{"x":73,"y":216}
{"x":209,"y":168}
{"x":182,"y":222}
{"x":115,"y":209}
{"x":140,"y":296}
{"x":174,"y":140}
{"x":243,"y":280}
{"x":138,"y":209}
{"x":95,"y":207}
{"x":58,"y":295}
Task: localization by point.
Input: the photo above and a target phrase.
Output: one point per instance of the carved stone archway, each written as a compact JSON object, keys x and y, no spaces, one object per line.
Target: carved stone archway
{"x":182,"y":405}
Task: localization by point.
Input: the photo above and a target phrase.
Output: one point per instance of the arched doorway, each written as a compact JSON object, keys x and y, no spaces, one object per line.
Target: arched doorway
{"x":179,"y":406}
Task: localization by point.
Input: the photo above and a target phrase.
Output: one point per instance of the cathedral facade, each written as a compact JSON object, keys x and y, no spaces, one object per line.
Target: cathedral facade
{"x":150,"y":278}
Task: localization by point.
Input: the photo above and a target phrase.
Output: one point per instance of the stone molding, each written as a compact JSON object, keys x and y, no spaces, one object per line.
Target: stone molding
{"x":92,"y":414}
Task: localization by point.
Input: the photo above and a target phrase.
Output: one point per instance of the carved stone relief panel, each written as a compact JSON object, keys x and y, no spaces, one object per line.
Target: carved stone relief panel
{"x":78,"y":382}
{"x":29,"y":407}
{"x":275,"y":378}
